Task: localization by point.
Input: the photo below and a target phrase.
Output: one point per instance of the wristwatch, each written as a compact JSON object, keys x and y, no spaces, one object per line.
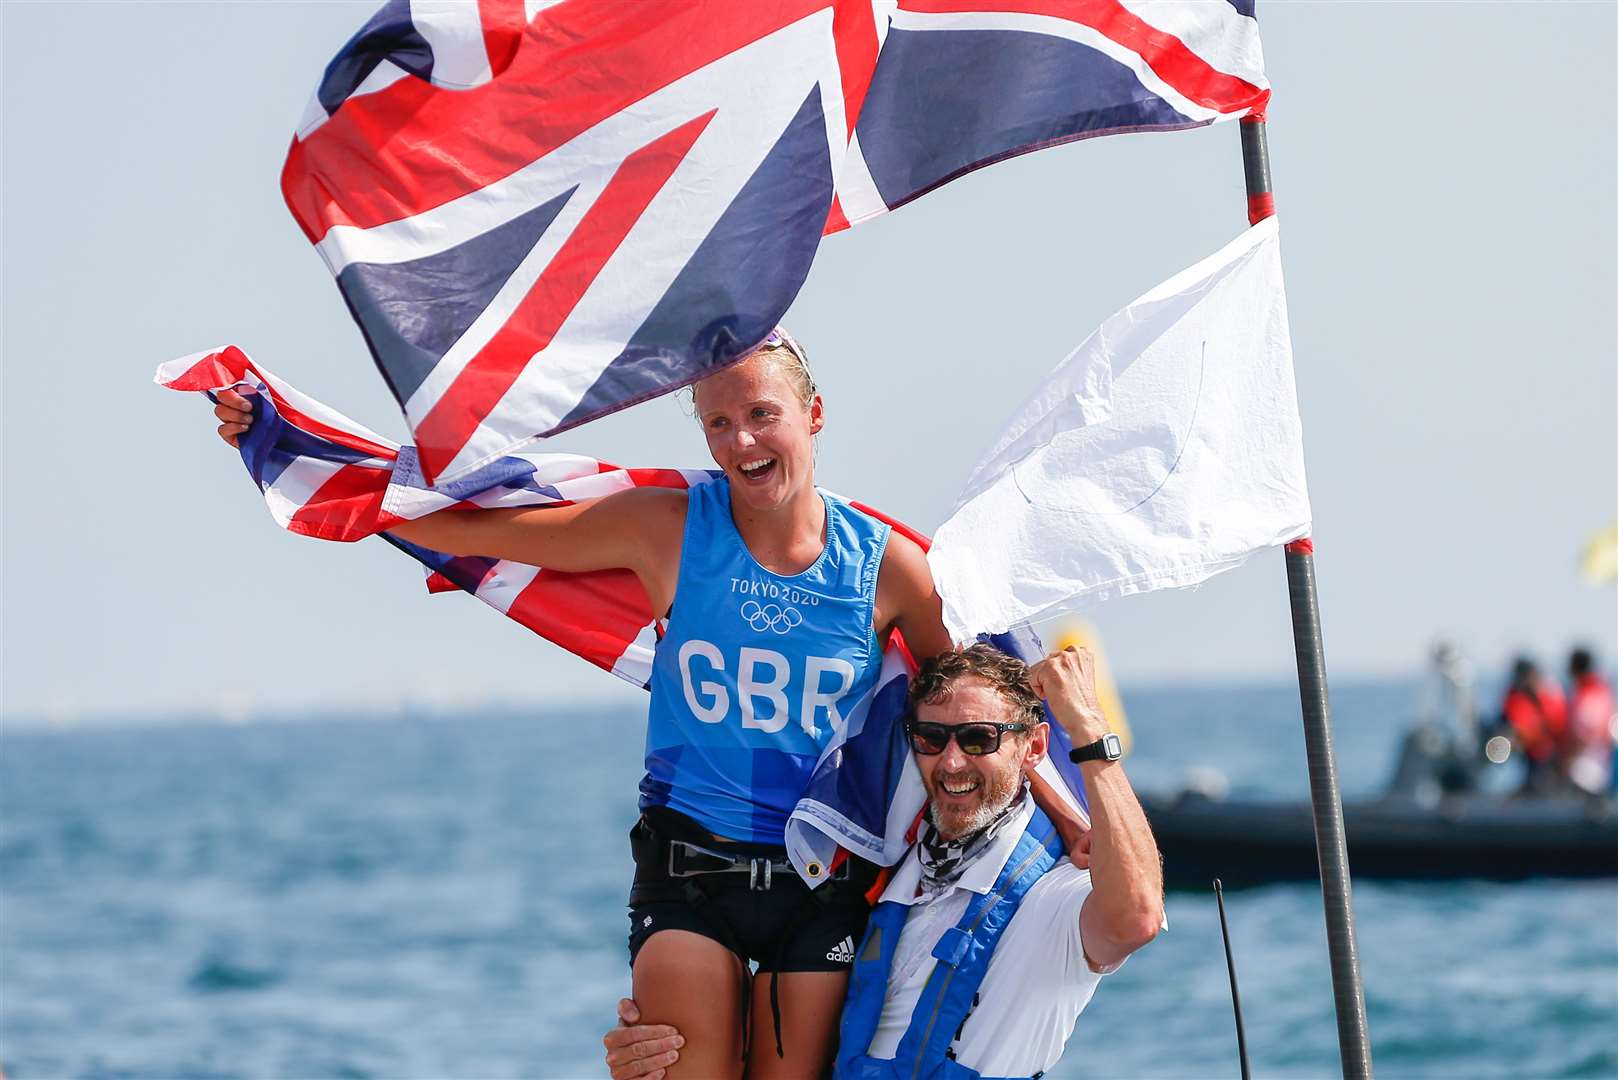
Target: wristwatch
{"x":1107,"y":748}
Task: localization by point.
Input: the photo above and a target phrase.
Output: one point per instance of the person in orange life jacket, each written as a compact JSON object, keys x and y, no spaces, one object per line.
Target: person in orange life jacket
{"x":745,"y":688}
{"x":987,"y":944}
{"x":1592,"y":725}
{"x":1536,"y":712}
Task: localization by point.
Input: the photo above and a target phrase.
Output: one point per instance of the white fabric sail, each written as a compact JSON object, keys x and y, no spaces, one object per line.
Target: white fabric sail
{"x":1165,"y":449}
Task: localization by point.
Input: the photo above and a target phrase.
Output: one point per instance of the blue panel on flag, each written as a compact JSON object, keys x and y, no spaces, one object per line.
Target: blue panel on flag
{"x":387,"y":35}
{"x":412,"y":312}
{"x":944,"y":102}
{"x":744,"y":273}
{"x":273,"y":445}
{"x":1023,"y":643}
{"x":466,"y":571}
{"x":506,"y":472}
{"x":872,"y":761}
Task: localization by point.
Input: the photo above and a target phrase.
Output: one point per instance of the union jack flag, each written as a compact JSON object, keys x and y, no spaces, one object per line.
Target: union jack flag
{"x":323,"y":475}
{"x":541,"y":212}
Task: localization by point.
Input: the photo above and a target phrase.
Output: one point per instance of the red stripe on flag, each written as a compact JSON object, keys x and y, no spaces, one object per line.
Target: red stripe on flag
{"x":345,"y":507}
{"x":336,"y":435}
{"x":853,"y":31}
{"x":836,"y":221}
{"x":503,"y":23}
{"x":900,"y":527}
{"x":438,"y":583}
{"x":592,"y":615}
{"x":492,"y":371}
{"x":1165,"y":54}
{"x":854,"y":35}
{"x":411,"y":146}
{"x":386,"y":520}
{"x":230,"y":365}
{"x":669,"y":478}
{"x":308,"y":423}
{"x":215,"y":370}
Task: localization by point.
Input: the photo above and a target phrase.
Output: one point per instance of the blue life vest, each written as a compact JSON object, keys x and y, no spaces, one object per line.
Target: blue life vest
{"x":756,"y":670}
{"x":963,"y":955}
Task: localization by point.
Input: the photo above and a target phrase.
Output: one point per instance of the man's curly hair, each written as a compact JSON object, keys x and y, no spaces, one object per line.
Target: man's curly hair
{"x":936,"y":680}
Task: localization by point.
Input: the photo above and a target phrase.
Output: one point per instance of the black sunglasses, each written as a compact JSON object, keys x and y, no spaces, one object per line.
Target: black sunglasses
{"x":975,"y":739}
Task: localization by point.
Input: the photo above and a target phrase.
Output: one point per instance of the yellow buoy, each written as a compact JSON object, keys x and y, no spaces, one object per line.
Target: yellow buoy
{"x":1112,"y":705}
{"x":1599,"y":560}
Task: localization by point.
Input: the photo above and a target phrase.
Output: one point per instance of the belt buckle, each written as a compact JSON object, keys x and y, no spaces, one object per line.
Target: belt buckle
{"x":752,"y":873}
{"x":730,"y":863}
{"x":677,"y":866}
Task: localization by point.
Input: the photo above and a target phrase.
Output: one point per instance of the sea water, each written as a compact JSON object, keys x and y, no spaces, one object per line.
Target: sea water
{"x":443,"y":897}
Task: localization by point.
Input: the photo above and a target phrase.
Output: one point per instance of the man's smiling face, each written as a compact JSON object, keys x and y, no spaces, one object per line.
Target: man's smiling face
{"x":967,"y":792}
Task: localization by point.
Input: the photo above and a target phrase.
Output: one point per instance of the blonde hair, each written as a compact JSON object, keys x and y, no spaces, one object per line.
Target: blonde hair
{"x":790,"y":357}
{"x":782,"y":349}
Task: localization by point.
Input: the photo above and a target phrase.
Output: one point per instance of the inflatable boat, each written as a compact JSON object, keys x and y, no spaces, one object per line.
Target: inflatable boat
{"x":1252,"y":842}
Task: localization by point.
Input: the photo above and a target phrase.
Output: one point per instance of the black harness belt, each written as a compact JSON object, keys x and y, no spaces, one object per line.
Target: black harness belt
{"x":690,"y":860}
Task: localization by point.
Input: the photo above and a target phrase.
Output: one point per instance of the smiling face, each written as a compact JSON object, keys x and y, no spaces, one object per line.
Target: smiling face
{"x":967,"y":792}
{"x":759,"y":430}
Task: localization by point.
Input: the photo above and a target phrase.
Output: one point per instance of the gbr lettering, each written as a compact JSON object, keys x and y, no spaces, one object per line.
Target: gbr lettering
{"x":761,"y":680}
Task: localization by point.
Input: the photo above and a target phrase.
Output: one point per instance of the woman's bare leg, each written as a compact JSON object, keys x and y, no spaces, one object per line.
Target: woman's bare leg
{"x":694,"y":983}
{"x":811,"y":1005}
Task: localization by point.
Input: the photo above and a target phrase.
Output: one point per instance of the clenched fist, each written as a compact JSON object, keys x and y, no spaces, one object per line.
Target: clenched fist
{"x":1067,"y":681}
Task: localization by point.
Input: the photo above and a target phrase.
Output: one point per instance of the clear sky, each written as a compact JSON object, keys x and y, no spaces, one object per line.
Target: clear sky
{"x":1445,"y":178}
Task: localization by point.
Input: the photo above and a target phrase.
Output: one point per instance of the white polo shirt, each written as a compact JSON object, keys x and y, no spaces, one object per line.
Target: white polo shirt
{"x":1038,"y":980}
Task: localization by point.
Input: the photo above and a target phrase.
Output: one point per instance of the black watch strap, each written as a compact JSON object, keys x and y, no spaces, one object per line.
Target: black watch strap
{"x":1107,"y":748}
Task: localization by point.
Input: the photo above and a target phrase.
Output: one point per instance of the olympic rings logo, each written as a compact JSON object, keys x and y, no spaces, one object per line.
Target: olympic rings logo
{"x":771,"y":617}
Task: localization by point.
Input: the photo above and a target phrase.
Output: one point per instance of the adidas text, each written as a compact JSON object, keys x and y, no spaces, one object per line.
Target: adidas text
{"x":843,"y":952}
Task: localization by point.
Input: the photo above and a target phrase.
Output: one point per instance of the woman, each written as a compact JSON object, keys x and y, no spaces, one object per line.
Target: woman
{"x":779,"y":599}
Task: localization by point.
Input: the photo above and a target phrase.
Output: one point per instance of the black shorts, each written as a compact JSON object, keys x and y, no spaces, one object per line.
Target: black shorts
{"x":787,"y":927}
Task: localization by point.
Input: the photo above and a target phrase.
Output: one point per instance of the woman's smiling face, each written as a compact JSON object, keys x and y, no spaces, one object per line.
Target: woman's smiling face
{"x":759,"y":430}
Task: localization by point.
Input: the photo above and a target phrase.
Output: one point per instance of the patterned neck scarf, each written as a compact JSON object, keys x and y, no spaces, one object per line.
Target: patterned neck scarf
{"x":944,"y":861}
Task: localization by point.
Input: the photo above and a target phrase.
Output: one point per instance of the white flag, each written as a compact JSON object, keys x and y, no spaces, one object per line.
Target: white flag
{"x":1163,"y":450}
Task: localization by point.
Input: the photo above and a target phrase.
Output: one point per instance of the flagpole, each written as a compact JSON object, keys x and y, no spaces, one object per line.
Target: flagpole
{"x":1353,"y":1036}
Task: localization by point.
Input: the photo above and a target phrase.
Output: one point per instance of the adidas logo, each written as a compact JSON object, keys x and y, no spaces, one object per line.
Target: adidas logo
{"x":842,"y":952}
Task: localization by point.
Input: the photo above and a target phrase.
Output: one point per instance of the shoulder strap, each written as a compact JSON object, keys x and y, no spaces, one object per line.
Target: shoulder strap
{"x":868,"y":983}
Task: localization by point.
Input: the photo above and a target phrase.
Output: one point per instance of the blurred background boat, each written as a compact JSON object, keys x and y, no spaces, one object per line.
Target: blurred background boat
{"x":1454,"y":808}
{"x":1251,"y":842}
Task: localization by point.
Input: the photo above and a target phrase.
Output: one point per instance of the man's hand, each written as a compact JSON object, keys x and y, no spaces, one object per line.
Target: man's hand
{"x":236,"y":412}
{"x":1080,"y":852}
{"x":1067,"y":681}
{"x":640,"y":1050}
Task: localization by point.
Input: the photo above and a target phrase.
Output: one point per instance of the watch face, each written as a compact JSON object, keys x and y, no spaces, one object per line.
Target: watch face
{"x":1112,"y":747}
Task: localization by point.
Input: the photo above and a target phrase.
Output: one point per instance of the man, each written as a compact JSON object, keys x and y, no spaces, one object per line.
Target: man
{"x":1535,"y":712}
{"x":1591,"y":725}
{"x":987,"y":944}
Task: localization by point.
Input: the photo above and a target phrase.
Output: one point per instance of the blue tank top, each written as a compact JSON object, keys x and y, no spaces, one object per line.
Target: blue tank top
{"x":755,"y":670}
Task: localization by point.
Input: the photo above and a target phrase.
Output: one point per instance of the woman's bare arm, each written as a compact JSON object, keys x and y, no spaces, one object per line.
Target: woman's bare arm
{"x":639,"y":529}
{"x":625,"y":529}
{"x":906,"y":598}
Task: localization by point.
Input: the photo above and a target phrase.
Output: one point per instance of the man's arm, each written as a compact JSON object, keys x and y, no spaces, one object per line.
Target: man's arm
{"x":1125,"y":907}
